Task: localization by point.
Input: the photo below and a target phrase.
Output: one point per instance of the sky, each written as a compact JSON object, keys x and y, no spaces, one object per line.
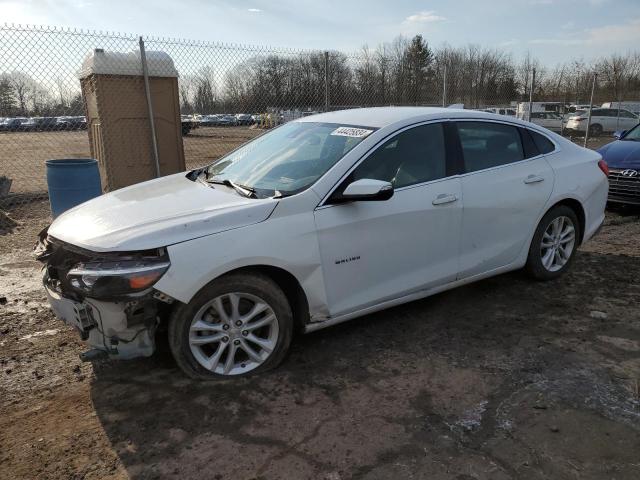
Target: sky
{"x":552,"y":30}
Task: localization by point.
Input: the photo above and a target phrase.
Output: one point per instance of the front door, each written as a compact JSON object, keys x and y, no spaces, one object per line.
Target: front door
{"x":374,"y":251}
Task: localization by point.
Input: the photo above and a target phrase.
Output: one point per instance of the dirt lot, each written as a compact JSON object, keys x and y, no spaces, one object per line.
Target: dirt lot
{"x":506,"y":378}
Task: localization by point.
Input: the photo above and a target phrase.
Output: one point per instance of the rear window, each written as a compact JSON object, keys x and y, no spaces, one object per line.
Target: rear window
{"x":488,"y":144}
{"x":543,"y":143}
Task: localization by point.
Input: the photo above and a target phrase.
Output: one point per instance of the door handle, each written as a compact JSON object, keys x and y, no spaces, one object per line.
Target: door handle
{"x":444,"y":198}
{"x":533,"y":179}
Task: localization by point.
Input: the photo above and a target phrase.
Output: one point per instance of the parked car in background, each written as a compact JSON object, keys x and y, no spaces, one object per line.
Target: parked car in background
{"x":324,"y":219}
{"x":633,"y":107}
{"x":244,"y":119}
{"x":40,"y":124}
{"x":29,"y":125}
{"x":623,"y":158}
{"x":71,"y":123}
{"x":573,"y":108}
{"x":510,"y":112}
{"x":602,"y":120}
{"x":208,"y":120}
{"x":549,"y":120}
{"x":226,"y":120}
{"x":12,"y":124}
{"x":188,"y":123}
{"x":45,"y":123}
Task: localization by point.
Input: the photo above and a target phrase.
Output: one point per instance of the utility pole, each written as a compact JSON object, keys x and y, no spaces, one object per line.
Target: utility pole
{"x":444,"y":87}
{"x":593,"y":88}
{"x":326,"y":81}
{"x":533,"y":82}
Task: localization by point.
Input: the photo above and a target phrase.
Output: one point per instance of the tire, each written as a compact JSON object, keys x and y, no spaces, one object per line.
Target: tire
{"x":595,"y":130}
{"x":193,"y":325}
{"x":539,"y":264}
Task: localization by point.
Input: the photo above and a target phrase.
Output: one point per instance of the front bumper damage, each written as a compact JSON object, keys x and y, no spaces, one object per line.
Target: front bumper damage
{"x":122,"y":328}
{"x":119,"y":329}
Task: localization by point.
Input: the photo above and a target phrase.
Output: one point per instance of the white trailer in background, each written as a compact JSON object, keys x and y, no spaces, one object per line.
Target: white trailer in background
{"x":522,"y":111}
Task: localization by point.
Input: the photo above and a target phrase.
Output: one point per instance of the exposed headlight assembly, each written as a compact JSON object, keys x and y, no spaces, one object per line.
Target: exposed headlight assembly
{"x":108,"y":279}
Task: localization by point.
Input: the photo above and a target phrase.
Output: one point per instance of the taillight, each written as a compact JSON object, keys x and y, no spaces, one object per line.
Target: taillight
{"x":604,"y":167}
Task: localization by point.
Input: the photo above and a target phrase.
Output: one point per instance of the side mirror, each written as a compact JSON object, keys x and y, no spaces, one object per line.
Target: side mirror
{"x":619,"y":134}
{"x":367,"y":190}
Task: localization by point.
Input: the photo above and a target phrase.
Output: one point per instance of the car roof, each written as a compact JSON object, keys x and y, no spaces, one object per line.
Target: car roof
{"x":379,"y":117}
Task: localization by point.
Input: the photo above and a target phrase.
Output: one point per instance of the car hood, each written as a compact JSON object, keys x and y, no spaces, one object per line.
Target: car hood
{"x":621,"y":154}
{"x":157,"y":213}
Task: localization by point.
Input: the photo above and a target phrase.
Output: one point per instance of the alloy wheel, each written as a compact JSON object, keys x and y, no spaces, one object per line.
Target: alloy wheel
{"x":233,"y":333}
{"x":558,"y":242}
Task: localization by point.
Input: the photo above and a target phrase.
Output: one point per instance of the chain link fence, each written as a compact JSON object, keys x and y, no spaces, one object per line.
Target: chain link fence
{"x":228,"y":94}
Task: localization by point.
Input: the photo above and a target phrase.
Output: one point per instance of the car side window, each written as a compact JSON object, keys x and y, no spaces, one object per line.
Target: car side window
{"x":543,"y":143}
{"x":488,"y":144}
{"x":414,"y":156}
{"x":529,"y":146}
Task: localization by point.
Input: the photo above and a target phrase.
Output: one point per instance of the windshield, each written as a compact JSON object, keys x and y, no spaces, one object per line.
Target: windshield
{"x":288,"y":159}
{"x":633,"y":134}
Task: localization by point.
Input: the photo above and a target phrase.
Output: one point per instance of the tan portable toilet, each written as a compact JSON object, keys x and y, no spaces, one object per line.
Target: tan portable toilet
{"x":118,"y":116}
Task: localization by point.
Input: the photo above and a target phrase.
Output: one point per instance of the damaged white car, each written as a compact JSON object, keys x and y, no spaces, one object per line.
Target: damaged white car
{"x":319,"y":221}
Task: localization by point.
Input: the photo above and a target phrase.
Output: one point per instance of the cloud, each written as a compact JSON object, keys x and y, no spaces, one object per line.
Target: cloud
{"x":254,"y":10}
{"x":426,"y":16}
{"x":509,"y":43}
{"x":617,"y":35}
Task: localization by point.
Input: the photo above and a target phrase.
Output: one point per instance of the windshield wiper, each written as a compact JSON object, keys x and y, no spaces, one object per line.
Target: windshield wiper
{"x":243,"y":190}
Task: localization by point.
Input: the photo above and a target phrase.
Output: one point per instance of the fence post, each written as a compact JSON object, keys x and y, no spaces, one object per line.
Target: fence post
{"x":533,"y":82}
{"x":444,"y":87}
{"x":147,"y":90}
{"x":326,"y":81}
{"x":593,"y":88}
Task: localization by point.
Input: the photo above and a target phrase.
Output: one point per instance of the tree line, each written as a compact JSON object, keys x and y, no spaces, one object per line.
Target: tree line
{"x":402,"y":72}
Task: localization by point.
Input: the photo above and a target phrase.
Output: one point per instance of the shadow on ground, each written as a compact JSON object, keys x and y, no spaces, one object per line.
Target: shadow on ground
{"x":506,"y":378}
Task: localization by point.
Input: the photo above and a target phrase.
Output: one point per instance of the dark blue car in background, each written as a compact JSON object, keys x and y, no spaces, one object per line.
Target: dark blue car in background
{"x":623,"y":158}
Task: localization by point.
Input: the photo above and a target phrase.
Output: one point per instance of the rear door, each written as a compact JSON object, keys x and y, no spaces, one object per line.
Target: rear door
{"x":505,"y":186}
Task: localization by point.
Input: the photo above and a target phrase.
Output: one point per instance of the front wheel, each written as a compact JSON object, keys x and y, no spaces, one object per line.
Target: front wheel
{"x":554,"y":244}
{"x":238,"y":324}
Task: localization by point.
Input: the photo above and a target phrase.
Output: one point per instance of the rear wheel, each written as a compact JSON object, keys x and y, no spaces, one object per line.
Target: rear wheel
{"x":236,"y":325}
{"x":595,"y":130}
{"x":554,"y":244}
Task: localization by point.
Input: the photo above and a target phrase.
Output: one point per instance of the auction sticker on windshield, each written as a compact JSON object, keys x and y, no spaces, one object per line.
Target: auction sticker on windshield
{"x":351,"y":132}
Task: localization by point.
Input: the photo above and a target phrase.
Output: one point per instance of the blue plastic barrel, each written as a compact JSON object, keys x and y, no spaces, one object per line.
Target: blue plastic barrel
{"x":72,"y":181}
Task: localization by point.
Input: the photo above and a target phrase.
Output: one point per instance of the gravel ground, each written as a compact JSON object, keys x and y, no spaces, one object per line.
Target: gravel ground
{"x":506,"y":378}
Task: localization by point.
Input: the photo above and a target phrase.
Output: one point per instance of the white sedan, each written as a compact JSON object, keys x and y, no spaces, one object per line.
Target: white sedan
{"x":319,"y":221}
